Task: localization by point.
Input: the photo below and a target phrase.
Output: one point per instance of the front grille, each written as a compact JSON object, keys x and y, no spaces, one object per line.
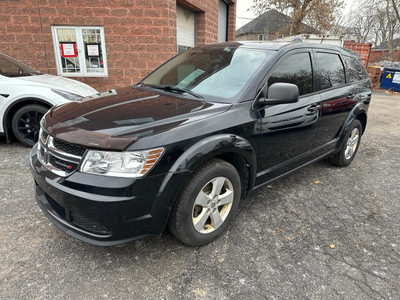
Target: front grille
{"x":77,"y":219}
{"x":88,"y":224}
{"x":63,"y":165}
{"x":60,"y":157}
{"x":68,"y":148}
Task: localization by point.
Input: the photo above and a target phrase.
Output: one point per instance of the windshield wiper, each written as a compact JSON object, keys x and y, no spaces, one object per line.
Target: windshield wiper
{"x":171,"y":88}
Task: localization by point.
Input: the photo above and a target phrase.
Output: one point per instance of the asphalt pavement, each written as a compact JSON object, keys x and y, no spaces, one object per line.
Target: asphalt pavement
{"x":322,"y":233}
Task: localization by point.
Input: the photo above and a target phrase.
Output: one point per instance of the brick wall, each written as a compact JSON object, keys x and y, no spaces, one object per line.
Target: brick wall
{"x":139,"y":34}
{"x":378,"y":55}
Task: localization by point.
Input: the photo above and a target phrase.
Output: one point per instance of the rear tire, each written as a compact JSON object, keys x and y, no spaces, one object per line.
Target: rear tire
{"x":26,"y":123}
{"x":350,"y":146}
{"x":207,"y":204}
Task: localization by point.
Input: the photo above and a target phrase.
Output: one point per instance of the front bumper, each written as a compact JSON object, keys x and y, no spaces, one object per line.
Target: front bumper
{"x":105,"y":211}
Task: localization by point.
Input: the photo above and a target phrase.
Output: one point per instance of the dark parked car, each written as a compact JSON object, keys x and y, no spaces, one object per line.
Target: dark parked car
{"x":187,"y":143}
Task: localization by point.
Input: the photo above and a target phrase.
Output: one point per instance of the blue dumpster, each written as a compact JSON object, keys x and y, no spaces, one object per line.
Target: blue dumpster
{"x":391,"y":79}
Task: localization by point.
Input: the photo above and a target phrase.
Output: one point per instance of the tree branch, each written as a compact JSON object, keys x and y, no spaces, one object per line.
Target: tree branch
{"x":396,"y":10}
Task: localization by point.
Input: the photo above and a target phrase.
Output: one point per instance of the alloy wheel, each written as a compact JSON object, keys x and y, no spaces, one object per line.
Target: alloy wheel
{"x":29,"y":125}
{"x":212,"y":205}
{"x":352,"y":143}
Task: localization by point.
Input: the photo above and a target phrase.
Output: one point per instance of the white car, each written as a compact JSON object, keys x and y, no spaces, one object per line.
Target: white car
{"x":26,"y":95}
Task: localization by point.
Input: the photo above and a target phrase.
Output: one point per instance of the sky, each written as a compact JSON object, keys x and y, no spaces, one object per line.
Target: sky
{"x":243,"y":16}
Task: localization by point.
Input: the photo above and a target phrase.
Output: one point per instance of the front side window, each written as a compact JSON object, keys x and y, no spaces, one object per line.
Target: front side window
{"x":219,"y":72}
{"x":295,"y":69}
{"x":331,"y":71}
{"x":80,"y":51}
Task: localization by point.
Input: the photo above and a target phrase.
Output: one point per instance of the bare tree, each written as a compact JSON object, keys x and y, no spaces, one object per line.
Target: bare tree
{"x":318,"y":13}
{"x":363,"y":22}
{"x":375,"y":21}
{"x":396,"y":10}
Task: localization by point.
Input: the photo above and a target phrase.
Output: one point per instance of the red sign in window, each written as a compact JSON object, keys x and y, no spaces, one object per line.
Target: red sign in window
{"x":68,"y":49}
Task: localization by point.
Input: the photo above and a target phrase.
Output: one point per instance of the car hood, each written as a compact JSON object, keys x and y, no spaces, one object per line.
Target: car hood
{"x":117,"y":118}
{"x":62,"y":83}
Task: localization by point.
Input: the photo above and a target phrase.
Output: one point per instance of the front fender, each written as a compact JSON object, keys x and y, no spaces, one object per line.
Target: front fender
{"x":213,"y":146}
{"x":192,"y":159}
{"x":210,"y":147}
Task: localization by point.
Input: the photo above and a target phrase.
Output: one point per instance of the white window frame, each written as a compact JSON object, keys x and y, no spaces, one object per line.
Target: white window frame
{"x":187,"y":46}
{"x":80,"y":49}
{"x":261,"y":37}
{"x":223,"y":23}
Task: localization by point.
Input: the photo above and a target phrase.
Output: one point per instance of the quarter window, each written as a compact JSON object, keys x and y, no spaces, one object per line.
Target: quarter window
{"x":331,"y":71}
{"x":80,"y":51}
{"x":355,"y":70}
{"x":295,"y":69}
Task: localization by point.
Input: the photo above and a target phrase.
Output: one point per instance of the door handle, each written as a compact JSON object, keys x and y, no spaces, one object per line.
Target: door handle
{"x":350,"y":96}
{"x":314,"y":108}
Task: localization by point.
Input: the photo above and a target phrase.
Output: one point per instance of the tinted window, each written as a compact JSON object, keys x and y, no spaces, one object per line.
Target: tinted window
{"x":331,"y":72}
{"x":294,"y":69}
{"x":355,"y":70}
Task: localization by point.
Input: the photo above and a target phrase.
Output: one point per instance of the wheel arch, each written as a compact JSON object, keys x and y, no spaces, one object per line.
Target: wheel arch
{"x":14,"y":107}
{"x":362,"y":117}
{"x":228,"y":147}
{"x":358,"y":113}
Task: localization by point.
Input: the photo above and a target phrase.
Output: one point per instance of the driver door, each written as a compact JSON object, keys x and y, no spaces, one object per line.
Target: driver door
{"x":286,"y":132}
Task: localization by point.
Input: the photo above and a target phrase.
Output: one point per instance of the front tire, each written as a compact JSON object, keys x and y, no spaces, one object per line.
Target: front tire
{"x":26,"y":123}
{"x":207,"y":204}
{"x":350,"y":146}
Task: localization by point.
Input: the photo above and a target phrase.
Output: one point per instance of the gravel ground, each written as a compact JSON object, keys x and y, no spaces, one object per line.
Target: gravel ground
{"x":321,"y":233}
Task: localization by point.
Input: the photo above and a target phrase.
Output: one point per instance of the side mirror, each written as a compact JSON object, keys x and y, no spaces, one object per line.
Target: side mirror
{"x":280,"y":93}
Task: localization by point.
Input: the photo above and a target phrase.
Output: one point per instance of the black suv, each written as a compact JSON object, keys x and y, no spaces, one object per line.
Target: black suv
{"x":188,"y":142}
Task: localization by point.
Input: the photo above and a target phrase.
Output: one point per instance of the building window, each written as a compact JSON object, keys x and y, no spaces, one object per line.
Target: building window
{"x":185,"y":28}
{"x":261,"y":37}
{"x":80,"y":51}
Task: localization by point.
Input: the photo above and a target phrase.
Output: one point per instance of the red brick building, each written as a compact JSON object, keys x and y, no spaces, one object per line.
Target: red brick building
{"x":381,"y":52}
{"x":109,"y":43}
{"x":378,"y":55}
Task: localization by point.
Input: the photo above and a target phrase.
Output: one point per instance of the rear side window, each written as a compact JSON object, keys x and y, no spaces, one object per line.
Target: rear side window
{"x":355,"y":70}
{"x":295,"y":69}
{"x":331,"y":71}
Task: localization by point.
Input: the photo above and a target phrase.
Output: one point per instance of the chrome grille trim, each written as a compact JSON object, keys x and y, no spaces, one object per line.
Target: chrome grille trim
{"x":60,"y":152}
{"x":47,"y":153}
{"x":43,"y":136}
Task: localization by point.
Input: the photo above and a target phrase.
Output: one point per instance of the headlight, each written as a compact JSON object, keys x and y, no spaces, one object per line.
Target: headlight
{"x":121,"y":164}
{"x":67,"y":95}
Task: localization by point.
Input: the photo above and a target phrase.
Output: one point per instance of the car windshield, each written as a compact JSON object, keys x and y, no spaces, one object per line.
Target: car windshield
{"x":220,"y":71}
{"x":11,"y":67}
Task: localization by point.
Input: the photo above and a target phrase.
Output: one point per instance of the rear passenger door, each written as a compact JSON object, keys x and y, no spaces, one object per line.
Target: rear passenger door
{"x":337,"y":99}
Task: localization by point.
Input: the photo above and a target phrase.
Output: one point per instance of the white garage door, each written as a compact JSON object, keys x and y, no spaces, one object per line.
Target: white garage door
{"x":185,"y":28}
{"x":222,"y":21}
